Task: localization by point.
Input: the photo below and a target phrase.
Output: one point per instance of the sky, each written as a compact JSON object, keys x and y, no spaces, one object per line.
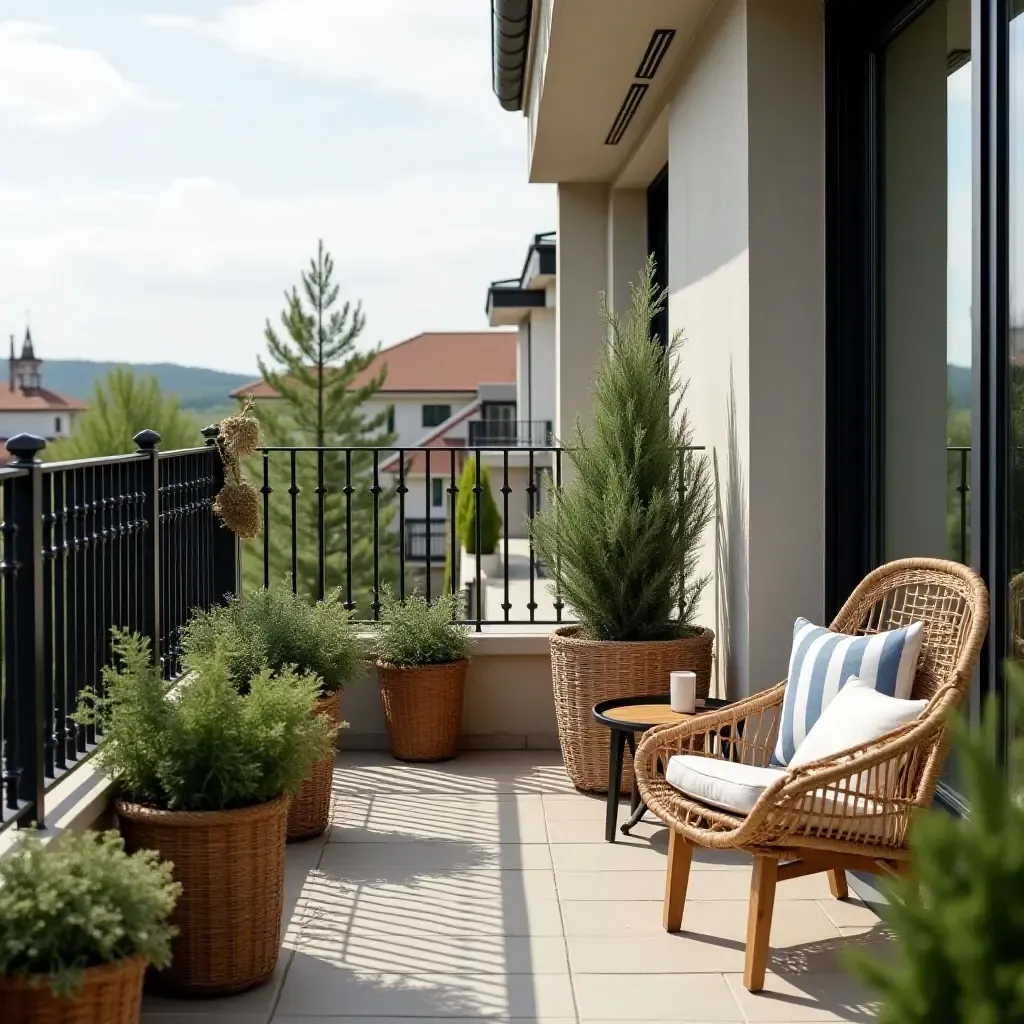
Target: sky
{"x":169,"y":165}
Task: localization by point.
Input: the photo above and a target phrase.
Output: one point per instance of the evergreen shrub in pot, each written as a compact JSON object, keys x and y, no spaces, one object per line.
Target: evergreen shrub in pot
{"x":205,"y":772}
{"x":622,"y":538}
{"x":466,"y":516}
{"x":276,"y":628}
{"x":422,"y":656}
{"x":78,"y":926}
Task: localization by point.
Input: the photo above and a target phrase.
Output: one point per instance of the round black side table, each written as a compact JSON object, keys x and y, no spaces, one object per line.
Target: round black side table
{"x":625,"y":717}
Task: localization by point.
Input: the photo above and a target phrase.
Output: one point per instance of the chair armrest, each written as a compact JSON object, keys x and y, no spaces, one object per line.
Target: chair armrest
{"x":746,"y":731}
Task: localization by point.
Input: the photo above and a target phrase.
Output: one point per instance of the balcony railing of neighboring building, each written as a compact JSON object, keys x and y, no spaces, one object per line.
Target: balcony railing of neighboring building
{"x":127,"y":541}
{"x":426,"y":541}
{"x":511,"y":433}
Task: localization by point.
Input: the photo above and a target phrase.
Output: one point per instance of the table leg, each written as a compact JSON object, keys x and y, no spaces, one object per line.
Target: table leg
{"x":616,"y":750}
{"x":634,"y":797}
{"x":638,"y":813}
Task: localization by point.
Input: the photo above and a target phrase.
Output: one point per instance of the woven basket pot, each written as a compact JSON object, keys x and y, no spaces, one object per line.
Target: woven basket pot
{"x":423,"y":709}
{"x":584,"y":672}
{"x":231,"y":868}
{"x":310,"y":807}
{"x":108,"y":994}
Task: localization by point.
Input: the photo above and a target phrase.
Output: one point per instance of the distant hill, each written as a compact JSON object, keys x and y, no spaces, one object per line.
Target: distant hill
{"x":958,"y":381}
{"x":198,"y":388}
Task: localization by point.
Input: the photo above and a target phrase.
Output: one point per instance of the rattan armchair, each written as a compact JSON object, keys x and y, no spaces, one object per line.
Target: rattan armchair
{"x":849,"y":812}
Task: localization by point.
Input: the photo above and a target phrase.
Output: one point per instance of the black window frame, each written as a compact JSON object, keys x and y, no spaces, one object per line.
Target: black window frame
{"x":657,"y":246}
{"x":435,"y":419}
{"x":436,"y":492}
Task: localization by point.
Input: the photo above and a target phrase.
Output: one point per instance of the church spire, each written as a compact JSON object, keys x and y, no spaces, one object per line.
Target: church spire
{"x":26,"y":346}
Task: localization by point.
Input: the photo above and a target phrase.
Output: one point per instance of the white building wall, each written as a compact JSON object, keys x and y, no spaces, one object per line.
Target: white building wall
{"x":409,"y":412}
{"x":537,"y":367}
{"x":43,"y":424}
{"x":627,"y":244}
{"x":746,"y":243}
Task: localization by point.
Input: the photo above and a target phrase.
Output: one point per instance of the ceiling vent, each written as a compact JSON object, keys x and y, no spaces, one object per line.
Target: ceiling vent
{"x":661,"y":40}
{"x":636,"y":93}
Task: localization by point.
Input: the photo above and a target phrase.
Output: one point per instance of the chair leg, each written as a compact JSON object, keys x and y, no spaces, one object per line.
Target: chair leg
{"x":837,"y":883}
{"x":759,"y":921}
{"x":680,"y":854}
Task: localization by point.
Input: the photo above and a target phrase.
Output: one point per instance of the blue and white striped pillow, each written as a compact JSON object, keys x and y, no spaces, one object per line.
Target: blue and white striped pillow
{"x":823,"y":662}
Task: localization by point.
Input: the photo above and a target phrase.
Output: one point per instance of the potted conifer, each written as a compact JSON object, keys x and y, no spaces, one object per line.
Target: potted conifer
{"x":422,"y":657}
{"x":205,"y":772}
{"x":277,"y":628}
{"x":622,"y":539}
{"x":478,"y":503}
{"x":78,"y":925}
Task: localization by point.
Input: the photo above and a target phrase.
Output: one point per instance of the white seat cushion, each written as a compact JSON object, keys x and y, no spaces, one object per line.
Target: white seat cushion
{"x":732,"y":787}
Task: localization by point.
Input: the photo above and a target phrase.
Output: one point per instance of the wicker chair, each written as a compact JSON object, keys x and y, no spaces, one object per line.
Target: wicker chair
{"x":849,"y":812}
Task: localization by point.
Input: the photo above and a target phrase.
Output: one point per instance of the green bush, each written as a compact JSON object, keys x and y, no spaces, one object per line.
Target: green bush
{"x":959,"y":917}
{"x":83,"y":904}
{"x":275,"y":628}
{"x":619,"y":540}
{"x":465,"y":511}
{"x":420,"y":632}
{"x":205,"y":746}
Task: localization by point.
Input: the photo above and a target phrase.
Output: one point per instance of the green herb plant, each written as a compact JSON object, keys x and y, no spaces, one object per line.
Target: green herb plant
{"x":82,"y":904}
{"x":205,"y":746}
{"x":274,"y":628}
{"x":623,"y":538}
{"x":420,"y":632}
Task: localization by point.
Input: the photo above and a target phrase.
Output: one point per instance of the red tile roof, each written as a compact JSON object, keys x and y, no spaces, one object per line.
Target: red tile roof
{"x":35,"y":400}
{"x":434,"y":361}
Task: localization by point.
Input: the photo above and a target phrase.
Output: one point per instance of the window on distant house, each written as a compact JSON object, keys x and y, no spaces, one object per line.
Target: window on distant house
{"x":435,"y":415}
{"x":391,"y":419}
{"x":437,"y":492}
{"x":56,"y":424}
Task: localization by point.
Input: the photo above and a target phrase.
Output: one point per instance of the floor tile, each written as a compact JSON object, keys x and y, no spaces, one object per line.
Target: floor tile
{"x":652,"y":954}
{"x":204,"y":1017}
{"x":851,"y":913}
{"x":793,"y":999}
{"x":278,"y":1019}
{"x":662,"y":997}
{"x":599,"y":856}
{"x":257,"y":1001}
{"x":315,"y":987}
{"x":365,"y":861}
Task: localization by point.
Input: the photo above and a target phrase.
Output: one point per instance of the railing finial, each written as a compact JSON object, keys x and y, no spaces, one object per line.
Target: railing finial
{"x":25,"y":447}
{"x":146,"y":440}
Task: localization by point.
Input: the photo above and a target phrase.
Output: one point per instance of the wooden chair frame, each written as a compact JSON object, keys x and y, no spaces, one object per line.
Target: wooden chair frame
{"x":847,"y":812}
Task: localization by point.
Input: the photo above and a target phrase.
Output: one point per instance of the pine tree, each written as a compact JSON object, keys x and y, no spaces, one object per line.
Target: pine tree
{"x":122,"y":405}
{"x":313,"y":366}
{"x":959,"y":916}
{"x":466,"y":509}
{"x":623,"y":538}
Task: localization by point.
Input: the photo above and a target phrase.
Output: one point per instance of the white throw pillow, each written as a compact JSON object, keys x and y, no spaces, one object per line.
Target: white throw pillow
{"x":726,"y":784}
{"x":856,"y":715}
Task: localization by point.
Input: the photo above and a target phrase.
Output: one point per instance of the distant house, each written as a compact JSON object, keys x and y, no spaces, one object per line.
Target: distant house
{"x":26,"y":407}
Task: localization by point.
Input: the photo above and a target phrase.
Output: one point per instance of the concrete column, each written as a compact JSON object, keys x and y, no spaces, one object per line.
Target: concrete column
{"x":746,"y":233}
{"x":582,"y":272}
{"x":627,"y":244}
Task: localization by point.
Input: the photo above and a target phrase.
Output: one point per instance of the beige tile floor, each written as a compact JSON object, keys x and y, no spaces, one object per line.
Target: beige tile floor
{"x":483,"y":889}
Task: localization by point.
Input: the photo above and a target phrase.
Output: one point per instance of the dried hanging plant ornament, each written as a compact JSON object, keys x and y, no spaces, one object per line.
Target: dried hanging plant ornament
{"x":238,"y":503}
{"x":240,"y":433}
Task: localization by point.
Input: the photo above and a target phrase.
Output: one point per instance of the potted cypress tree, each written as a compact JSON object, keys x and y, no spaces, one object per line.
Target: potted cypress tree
{"x":466,"y":516}
{"x":422,"y":657}
{"x":622,"y":539}
{"x":205,"y":772}
{"x":78,"y":926}
{"x":277,"y":628}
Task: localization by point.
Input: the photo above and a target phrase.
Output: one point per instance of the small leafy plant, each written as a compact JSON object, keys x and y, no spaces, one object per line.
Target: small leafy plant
{"x":206,"y":746}
{"x":959,"y":916}
{"x":623,"y":538}
{"x":274,"y":628}
{"x":83,"y":904}
{"x":466,"y":510}
{"x":420,"y":632}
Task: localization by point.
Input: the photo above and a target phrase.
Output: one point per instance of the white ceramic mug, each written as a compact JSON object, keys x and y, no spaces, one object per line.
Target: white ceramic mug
{"x":683,"y":692}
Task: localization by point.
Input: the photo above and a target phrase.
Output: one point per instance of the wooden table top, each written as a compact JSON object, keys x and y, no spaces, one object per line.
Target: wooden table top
{"x":647,"y":714}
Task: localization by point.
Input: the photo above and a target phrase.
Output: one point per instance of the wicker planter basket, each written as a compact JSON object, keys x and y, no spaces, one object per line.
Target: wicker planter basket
{"x":231,"y":868}
{"x":310,"y":808}
{"x":584,"y":672}
{"x":423,"y":709}
{"x":108,"y":994}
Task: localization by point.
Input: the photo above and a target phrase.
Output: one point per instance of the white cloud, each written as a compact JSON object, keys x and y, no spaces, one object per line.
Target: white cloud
{"x":438,"y":50}
{"x":191,"y":272}
{"x":48,"y":85}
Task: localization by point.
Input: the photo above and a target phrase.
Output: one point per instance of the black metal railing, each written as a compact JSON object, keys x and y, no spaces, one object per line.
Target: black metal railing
{"x":425,"y":541}
{"x":509,"y":433}
{"x":958,"y":484}
{"x":128,"y":540}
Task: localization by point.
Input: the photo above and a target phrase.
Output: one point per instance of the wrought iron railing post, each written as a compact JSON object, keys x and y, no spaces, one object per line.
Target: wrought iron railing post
{"x":227,"y":553}
{"x":29,"y":664}
{"x":147,"y":441}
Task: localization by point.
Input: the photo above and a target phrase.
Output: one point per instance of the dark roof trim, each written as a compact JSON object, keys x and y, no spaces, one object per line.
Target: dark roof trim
{"x":510,"y":41}
{"x":543,"y":245}
{"x":506,"y":295}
